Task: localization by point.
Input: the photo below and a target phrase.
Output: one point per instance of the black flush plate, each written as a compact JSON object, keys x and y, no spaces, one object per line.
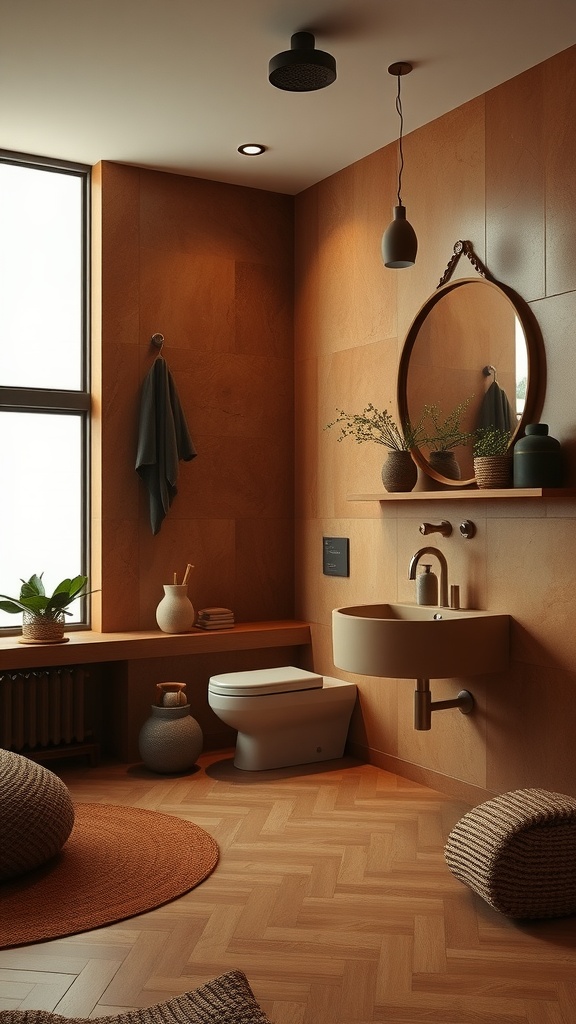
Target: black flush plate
{"x":336,"y":556}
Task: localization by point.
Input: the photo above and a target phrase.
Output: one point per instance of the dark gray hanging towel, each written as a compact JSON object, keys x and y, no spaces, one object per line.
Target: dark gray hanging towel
{"x":496,"y":410}
{"x":163,"y":440}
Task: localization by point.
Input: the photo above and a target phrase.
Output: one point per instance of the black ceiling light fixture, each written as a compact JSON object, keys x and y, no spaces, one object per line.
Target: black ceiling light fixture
{"x":302,"y":68}
{"x":399,"y":242}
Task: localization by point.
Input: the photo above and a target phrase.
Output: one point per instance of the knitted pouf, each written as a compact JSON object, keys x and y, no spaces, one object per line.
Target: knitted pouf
{"x":518,"y":851}
{"x":37,"y":814}
{"x":227,"y":999}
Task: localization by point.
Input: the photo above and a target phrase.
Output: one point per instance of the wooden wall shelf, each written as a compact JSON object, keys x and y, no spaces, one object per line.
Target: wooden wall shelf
{"x":87,"y":647}
{"x":469,"y":494}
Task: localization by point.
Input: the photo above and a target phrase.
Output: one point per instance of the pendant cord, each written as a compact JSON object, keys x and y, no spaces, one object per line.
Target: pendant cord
{"x":400,"y":149}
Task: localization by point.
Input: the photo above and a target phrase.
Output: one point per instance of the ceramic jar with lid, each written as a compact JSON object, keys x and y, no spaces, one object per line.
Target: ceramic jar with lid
{"x":170,"y":740}
{"x":537,"y":458}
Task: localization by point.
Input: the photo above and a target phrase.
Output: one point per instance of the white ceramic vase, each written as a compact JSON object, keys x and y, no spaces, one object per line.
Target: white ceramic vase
{"x":175,"y":613}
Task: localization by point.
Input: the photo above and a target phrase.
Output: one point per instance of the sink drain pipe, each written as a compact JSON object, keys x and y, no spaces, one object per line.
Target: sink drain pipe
{"x":424,"y":705}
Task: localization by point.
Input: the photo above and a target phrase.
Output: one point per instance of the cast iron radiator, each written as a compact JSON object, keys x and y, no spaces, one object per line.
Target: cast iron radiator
{"x":47,"y":713}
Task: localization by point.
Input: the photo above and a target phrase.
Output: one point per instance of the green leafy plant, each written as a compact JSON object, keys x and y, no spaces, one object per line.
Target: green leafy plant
{"x":33,"y":597}
{"x":378,"y":426}
{"x":491,"y":441}
{"x":446,"y":433}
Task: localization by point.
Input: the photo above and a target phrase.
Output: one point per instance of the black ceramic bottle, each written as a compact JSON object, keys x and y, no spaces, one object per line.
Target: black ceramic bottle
{"x":537,"y":458}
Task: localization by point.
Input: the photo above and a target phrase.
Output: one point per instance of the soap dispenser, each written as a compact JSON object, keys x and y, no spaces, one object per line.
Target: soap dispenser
{"x":427,"y":586}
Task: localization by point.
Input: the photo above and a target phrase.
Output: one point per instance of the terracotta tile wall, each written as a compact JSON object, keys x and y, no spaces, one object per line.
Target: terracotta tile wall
{"x":498,"y":171}
{"x":209,"y":266}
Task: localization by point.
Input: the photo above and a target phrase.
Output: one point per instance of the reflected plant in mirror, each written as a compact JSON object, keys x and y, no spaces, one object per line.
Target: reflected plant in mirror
{"x":445,"y":433}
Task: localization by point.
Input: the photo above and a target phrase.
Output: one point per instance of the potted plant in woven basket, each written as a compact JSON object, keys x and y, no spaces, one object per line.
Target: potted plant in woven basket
{"x":492,"y":458}
{"x":43,"y":615}
{"x":446,"y":434}
{"x":399,"y":472}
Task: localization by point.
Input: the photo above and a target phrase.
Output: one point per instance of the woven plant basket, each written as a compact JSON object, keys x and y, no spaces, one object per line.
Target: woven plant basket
{"x":493,"y":471}
{"x":37,"y":629}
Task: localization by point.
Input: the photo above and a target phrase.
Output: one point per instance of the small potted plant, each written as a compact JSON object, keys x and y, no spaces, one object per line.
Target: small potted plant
{"x":492,"y":457}
{"x":399,"y":472}
{"x":43,"y":615}
{"x":446,"y":434}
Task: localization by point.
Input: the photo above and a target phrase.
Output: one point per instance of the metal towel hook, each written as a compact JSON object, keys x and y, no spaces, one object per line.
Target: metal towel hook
{"x":158,"y":341}
{"x":489,"y":369}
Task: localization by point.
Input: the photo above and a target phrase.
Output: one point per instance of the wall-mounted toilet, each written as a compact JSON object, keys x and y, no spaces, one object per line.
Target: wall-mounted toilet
{"x":284,"y":716}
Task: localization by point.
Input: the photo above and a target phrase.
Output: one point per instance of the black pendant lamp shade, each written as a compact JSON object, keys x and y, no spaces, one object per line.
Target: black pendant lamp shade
{"x":399,"y":242}
{"x":302,"y":68}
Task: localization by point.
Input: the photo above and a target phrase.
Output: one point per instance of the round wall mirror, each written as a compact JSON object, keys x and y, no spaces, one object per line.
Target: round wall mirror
{"x":474,"y":346}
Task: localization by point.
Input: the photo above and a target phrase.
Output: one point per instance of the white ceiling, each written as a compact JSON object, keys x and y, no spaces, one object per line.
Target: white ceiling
{"x":179,"y":84}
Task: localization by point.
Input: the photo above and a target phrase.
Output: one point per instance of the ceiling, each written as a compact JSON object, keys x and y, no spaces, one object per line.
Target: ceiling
{"x":178,"y":85}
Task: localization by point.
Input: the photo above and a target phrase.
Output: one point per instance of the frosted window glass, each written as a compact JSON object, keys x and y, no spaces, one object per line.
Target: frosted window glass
{"x":40,"y":278}
{"x":41,"y":473}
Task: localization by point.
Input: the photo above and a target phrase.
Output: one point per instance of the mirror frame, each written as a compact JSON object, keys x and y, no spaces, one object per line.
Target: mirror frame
{"x":536,"y":383}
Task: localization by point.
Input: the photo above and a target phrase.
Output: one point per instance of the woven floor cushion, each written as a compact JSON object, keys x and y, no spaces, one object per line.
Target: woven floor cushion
{"x":518,"y":851}
{"x":37,"y":814}
{"x":227,"y":999}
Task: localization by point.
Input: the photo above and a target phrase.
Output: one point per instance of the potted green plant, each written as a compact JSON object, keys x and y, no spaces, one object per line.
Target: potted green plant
{"x":399,"y":471}
{"x":444,"y":434}
{"x":43,"y":615}
{"x":492,"y":457}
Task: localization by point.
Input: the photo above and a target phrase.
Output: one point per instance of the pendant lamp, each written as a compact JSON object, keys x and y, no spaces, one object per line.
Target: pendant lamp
{"x":399,"y":242}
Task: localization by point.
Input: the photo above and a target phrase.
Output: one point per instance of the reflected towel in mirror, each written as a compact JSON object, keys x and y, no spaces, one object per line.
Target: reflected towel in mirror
{"x":496,"y":410}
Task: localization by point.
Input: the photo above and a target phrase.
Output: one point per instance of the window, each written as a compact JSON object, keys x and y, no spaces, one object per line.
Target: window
{"x":44,"y":388}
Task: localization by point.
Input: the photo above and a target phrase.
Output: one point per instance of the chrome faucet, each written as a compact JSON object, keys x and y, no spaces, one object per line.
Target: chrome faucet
{"x":443,"y":571}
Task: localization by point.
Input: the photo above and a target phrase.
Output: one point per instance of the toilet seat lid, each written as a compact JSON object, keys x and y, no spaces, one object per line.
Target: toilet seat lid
{"x":264,"y":681}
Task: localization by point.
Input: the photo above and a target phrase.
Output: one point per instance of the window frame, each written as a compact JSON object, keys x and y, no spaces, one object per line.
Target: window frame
{"x":57,"y":401}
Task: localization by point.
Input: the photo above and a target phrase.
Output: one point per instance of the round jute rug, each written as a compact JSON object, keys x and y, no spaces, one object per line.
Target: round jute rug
{"x":118,"y":862}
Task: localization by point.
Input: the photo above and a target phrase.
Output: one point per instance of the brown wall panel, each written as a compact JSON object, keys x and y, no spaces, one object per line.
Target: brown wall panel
{"x":209,"y":266}
{"x":499,"y":172}
{"x":516,"y":144}
{"x":559,"y":107}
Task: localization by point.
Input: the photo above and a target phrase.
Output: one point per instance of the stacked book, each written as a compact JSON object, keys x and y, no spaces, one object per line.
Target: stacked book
{"x":215,"y":618}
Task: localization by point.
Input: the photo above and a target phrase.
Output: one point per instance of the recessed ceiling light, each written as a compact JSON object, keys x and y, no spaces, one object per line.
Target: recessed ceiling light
{"x":251,"y":149}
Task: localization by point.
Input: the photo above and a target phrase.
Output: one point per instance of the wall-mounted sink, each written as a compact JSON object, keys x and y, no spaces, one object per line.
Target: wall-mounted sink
{"x":406,"y":641}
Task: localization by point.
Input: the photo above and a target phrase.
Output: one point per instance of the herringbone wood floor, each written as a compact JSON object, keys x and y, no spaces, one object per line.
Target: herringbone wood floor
{"x":331,"y":894}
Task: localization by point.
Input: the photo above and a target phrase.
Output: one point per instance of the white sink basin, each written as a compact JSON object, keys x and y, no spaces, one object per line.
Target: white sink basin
{"x":406,"y":641}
